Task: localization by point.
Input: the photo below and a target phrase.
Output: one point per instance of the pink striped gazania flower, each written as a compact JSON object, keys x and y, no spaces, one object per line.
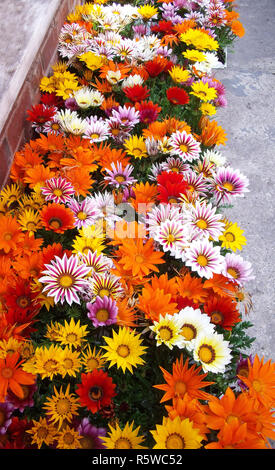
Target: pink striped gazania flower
{"x":103,"y":311}
{"x":184,"y":145}
{"x":170,"y":235}
{"x":228,"y":183}
{"x":97,"y":262}
{"x":196,"y":183}
{"x":160,"y":214}
{"x":205,"y":222}
{"x":237,"y":269}
{"x":118,"y":176}
{"x":59,"y":190}
{"x":174,"y":164}
{"x":85,"y":212}
{"x":65,"y":278}
{"x":204,"y":258}
{"x":97,"y":130}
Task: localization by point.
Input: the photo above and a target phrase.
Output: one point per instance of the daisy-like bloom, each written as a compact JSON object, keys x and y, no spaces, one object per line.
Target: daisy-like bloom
{"x":213,"y":352}
{"x":85,"y":212}
{"x":97,"y":262}
{"x":45,"y":361}
{"x":203,"y":91}
{"x":132,"y":80}
{"x":200,"y":39}
{"x":235,"y":436}
{"x":124,"y":349}
{"x":127,"y":116}
{"x":175,"y":165}
{"x":90,"y":436}
{"x":62,"y":406}
{"x":118,"y":176}
{"x":170,"y":235}
{"x":205,"y":221}
{"x":232,"y":237}
{"x":184,"y":145}
{"x":228,"y":183}
{"x":194,"y":55}
{"x":97,"y":130}
{"x":57,"y":217}
{"x":176,"y":434}
{"x":197,"y":186}
{"x":179,"y":74}
{"x":88,"y":98}
{"x":92,"y":359}
{"x":70,"y":362}
{"x":237,"y":269}
{"x":136,"y":147}
{"x":147,"y":12}
{"x":103,"y":311}
{"x":204,"y":258}
{"x":42,"y":432}
{"x":10,"y":233}
{"x":12,"y":376}
{"x":171,"y":187}
{"x":64,"y":278}
{"x":207,"y":109}
{"x":105,"y":284}
{"x":68,"y":438}
{"x":167,"y":330}
{"x":29,"y":220}
{"x":177,"y":96}
{"x":155,"y":302}
{"x":193,"y":322}
{"x":160,"y":214}
{"x":260,"y":381}
{"x":58,"y":190}
{"x":126,"y":438}
{"x":222,"y":311}
{"x":96,"y":390}
{"x":72,"y":334}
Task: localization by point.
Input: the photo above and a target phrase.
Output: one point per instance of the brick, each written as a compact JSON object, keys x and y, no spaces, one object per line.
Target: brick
{"x":6,"y":157}
{"x":17,"y":119}
{"x":48,"y":47}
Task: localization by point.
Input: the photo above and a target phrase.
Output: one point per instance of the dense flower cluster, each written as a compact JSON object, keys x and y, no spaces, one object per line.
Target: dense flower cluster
{"x":123,"y":298}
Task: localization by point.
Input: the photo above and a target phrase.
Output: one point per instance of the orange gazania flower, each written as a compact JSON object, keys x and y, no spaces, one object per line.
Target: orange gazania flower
{"x":24,"y":159}
{"x":6,"y":274}
{"x":234,"y":436}
{"x":38,"y":175}
{"x":156,"y":129}
{"x":81,"y":180}
{"x":237,"y":28}
{"x":221,"y":286}
{"x":211,"y":133}
{"x":261,"y":381}
{"x":169,"y":286}
{"x":10,"y":233}
{"x":181,"y":28}
{"x":126,"y":316}
{"x":145,"y":196}
{"x":12,"y":376}
{"x":109,"y":156}
{"x":189,"y":408}
{"x":29,"y":266}
{"x":57,"y":217}
{"x":51,"y":143}
{"x":106,"y":70}
{"x":192,"y":288}
{"x":82,"y":158}
{"x":184,"y":380}
{"x":139,"y":257}
{"x":155,"y":302}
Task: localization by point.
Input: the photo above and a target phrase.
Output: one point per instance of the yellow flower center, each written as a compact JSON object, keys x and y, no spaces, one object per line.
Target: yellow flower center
{"x":123,"y":350}
{"x":95,"y":393}
{"x":68,"y":363}
{"x":7,"y":372}
{"x":230,"y":418}
{"x":66,"y":281}
{"x":173,"y":200}
{"x":180,"y":388}
{"x":206,"y":353}
{"x":81,"y":215}
{"x":233,"y":272}
{"x":137,"y":152}
{"x":202,"y":260}
{"x":120,"y":178}
{"x":42,"y":433}
{"x":201,"y":223}
{"x":256,"y":384}
{"x":7,"y":236}
{"x":139,"y":259}
{"x":230,"y":237}
{"x":229,"y":186}
{"x":95,"y":136}
{"x":123,"y":443}
{"x":68,"y":91}
{"x":102,"y":315}
{"x":189,"y":332}
{"x":92,"y":363}
{"x":30,"y":226}
{"x":174,"y":441}
{"x":50,"y":365}
{"x":216,"y":317}
{"x":57,"y":192}
{"x":165,"y":333}
{"x":104,"y":292}
{"x":71,"y":338}
{"x":183,"y":148}
{"x":55,"y":126}
{"x":171,"y":238}
{"x":62,"y":406}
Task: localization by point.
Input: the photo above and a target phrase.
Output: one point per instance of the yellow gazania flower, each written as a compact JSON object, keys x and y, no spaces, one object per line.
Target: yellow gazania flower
{"x":199,"y":39}
{"x":124,"y":349}
{"x":194,"y":56}
{"x":52,"y":331}
{"x":62,"y":406}
{"x":83,"y":244}
{"x":30,"y":221}
{"x":147,"y":11}
{"x":42,"y":432}
{"x":203,"y":91}
{"x":91,"y":359}
{"x":10,"y":194}
{"x":45,"y":361}
{"x":72,"y":334}
{"x":136,"y":147}
{"x":167,"y":330}
{"x":70,"y":363}
{"x":176,"y":434}
{"x":232,"y":237}
{"x":65,"y":89}
{"x":92,"y":61}
{"x":126,"y":438}
{"x":207,"y":109}
{"x":68,"y":438}
{"x":47,"y":84}
{"x":179,"y":74}
{"x":9,"y":346}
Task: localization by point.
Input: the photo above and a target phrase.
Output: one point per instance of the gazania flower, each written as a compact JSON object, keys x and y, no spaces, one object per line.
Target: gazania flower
{"x":205,"y":221}
{"x":177,"y":96}
{"x":64,"y":279}
{"x":147,"y":12}
{"x":92,"y":359}
{"x":105,"y":284}
{"x":57,"y":217}
{"x":184,"y":145}
{"x":62,"y":406}
{"x":179,"y":74}
{"x":40,"y":113}
{"x":232,"y":237}
{"x":10,"y":233}
{"x":96,"y":390}
{"x":118,"y":176}
{"x":167,"y":330}
{"x":136,"y":147}
{"x":212,"y":133}
{"x":228,"y":183}
{"x":204,"y":258}
{"x":70,"y":363}
{"x":42,"y":432}
{"x":29,"y":220}
{"x":171,"y":187}
{"x":68,"y":438}
{"x":58,"y":190}
{"x":84,"y":212}
{"x":12,"y":376}
{"x":203,"y":91}
{"x":235,"y":436}
{"x":193,"y":322}
{"x":71,"y":334}
{"x":45,"y":361}
{"x":102,"y":311}
{"x":213,"y":352}
{"x":192,"y":288}
{"x":260,"y":381}
{"x":237,"y":269}
{"x":176,"y":434}
{"x":136,"y":93}
{"x":170,"y":235}
{"x":155,"y":302}
{"x":124,"y":349}
{"x":148,"y":111}
{"x":126,"y":438}
{"x":222,"y":311}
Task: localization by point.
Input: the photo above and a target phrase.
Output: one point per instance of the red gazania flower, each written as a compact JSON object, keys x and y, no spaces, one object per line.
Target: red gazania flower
{"x":137,"y":92}
{"x":156,"y":66}
{"x":177,"y":96}
{"x":19,"y":297}
{"x":40,"y":113}
{"x":50,"y":251}
{"x":96,"y":390}
{"x":148,"y":111}
{"x":57,"y":217}
{"x":170,"y":186}
{"x":165,"y":27}
{"x":185,"y":302}
{"x":51,"y":99}
{"x":222,"y":311}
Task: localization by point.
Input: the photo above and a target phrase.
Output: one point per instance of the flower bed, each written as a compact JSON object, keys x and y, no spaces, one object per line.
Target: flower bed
{"x":123,"y":301}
